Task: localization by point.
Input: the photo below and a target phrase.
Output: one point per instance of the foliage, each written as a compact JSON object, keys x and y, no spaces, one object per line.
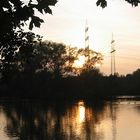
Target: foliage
{"x":25,"y":57}
{"x":91,"y":59}
{"x":14,"y":13}
{"x":16,"y":53}
{"x":90,"y":73}
{"x":59,"y":59}
{"x":28,"y":54}
{"x":103,"y":3}
{"x":55,"y":58}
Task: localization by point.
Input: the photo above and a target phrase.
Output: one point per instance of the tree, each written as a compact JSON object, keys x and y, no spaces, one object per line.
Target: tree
{"x":15,"y":13}
{"x":59,"y":59}
{"x":56,"y":58}
{"x":103,"y":3}
{"x":17,"y":54}
{"x":91,"y":59}
{"x":25,"y":56}
{"x":8,"y":49}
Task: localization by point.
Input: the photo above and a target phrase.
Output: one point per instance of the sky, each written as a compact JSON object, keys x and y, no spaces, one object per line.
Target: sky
{"x":67,"y":25}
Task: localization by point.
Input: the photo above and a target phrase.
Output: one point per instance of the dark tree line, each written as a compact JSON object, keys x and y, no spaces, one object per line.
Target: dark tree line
{"x":46,"y":69}
{"x":34,"y":68}
{"x":37,"y":67}
{"x":30,"y":67}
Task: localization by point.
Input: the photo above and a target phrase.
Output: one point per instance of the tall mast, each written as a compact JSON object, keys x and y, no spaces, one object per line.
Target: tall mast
{"x":87,"y":39}
{"x":112,"y":52}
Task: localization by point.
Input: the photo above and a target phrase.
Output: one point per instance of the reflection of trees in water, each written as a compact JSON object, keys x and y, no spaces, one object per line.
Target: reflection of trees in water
{"x":41,"y":121}
{"x":138,"y":108}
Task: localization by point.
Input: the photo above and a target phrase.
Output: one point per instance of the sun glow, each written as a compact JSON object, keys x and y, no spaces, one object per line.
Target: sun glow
{"x":81,"y":111}
{"x":67,"y":25}
{"x":79,"y":62}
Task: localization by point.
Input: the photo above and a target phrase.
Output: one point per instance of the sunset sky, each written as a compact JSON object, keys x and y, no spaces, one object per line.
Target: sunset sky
{"x":67,"y":25}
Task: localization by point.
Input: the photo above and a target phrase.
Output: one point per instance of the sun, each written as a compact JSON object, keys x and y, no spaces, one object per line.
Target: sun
{"x":79,"y":62}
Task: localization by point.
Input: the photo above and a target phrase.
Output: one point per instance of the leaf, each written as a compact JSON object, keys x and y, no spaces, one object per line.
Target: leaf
{"x":133,"y":2}
{"x":36,"y":21}
{"x":40,"y":9}
{"x":43,"y":5}
{"x":31,"y":25}
{"x":48,"y":10}
{"x":5,"y":4}
{"x":47,"y":2}
{"x":102,"y":3}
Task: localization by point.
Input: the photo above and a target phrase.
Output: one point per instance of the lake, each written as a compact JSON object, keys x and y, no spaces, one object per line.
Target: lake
{"x":70,"y":120}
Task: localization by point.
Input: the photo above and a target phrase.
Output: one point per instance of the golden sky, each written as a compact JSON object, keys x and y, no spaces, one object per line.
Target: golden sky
{"x":67,"y":25}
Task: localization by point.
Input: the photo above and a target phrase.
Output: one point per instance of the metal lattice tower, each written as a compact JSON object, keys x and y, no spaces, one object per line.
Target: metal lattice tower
{"x":112,"y":52}
{"x":87,"y":39}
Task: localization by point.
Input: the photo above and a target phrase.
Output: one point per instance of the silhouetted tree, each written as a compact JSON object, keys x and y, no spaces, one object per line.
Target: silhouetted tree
{"x":26,"y":55}
{"x":17,"y":54}
{"x":8,"y":49}
{"x":91,"y":59}
{"x":57,"y":58}
{"x":14,"y":13}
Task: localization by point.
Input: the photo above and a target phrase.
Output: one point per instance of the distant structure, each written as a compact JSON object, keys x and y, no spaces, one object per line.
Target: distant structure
{"x":87,"y":39}
{"x":86,"y":36}
{"x":112,"y":52}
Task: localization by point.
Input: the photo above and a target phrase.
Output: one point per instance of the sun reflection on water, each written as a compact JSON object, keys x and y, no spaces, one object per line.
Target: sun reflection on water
{"x":81,"y":112}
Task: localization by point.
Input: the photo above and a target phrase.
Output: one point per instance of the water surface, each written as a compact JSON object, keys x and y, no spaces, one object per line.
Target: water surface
{"x":72,"y":120}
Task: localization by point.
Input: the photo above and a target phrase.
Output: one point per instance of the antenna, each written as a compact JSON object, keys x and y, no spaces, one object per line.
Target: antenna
{"x":112,"y":52}
{"x":87,"y":38}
